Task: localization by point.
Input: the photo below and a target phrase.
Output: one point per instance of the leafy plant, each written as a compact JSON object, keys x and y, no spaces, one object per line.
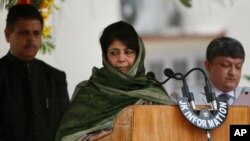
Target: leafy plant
{"x":187,"y":3}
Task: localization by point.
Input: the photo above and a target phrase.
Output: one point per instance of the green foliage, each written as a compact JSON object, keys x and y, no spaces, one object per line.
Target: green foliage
{"x":47,"y":45}
{"x":247,"y":77}
{"x":6,"y":4}
{"x":187,"y":3}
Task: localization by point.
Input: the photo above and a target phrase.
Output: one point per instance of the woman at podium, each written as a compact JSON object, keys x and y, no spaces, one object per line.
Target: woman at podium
{"x":121,"y":82}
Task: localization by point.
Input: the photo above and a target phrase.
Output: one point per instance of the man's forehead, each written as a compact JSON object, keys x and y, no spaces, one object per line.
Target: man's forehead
{"x":227,"y":59}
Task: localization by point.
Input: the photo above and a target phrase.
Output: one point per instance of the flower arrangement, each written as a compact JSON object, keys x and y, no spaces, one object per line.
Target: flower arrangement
{"x":45,"y":7}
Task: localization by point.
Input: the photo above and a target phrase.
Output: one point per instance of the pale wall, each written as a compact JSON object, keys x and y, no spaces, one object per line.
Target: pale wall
{"x":79,"y":23}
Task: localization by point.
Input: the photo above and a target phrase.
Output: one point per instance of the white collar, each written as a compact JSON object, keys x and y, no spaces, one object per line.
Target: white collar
{"x":218,"y":92}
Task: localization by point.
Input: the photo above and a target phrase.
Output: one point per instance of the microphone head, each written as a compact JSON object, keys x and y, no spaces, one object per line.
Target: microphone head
{"x":150,"y":75}
{"x":169,"y":73}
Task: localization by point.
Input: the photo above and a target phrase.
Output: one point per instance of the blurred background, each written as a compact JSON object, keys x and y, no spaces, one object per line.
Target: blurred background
{"x":175,"y":36}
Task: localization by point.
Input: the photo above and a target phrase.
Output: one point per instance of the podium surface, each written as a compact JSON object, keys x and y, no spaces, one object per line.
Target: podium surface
{"x":161,"y":123}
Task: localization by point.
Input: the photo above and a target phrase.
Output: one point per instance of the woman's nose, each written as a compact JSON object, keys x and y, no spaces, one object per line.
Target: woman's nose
{"x":121,"y":57}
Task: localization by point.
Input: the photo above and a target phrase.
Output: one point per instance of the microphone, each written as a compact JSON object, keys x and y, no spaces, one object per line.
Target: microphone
{"x":185,"y":90}
{"x":204,"y":114}
{"x":187,"y":93}
{"x":210,"y":95}
{"x":150,"y":75}
{"x":169,"y":73}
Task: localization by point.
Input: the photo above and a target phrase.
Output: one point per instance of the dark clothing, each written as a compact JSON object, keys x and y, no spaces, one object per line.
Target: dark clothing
{"x":33,"y":99}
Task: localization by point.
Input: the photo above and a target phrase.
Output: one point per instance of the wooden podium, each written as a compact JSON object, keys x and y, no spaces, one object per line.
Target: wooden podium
{"x":162,"y":123}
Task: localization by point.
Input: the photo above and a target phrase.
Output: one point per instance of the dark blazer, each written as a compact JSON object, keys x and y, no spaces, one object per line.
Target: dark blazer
{"x":33,"y":99}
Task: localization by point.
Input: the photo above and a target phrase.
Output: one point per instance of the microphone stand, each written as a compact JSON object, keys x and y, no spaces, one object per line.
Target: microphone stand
{"x":185,"y":90}
{"x":208,"y":92}
{"x":188,"y":99}
{"x":208,"y":135}
{"x":188,"y":94}
{"x":151,"y":76}
{"x":210,"y":95}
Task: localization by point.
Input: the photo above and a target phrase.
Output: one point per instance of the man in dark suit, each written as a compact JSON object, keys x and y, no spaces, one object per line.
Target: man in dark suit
{"x":33,"y":94}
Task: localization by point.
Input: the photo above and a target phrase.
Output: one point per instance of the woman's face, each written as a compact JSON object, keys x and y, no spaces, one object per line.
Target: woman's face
{"x":120,"y":57}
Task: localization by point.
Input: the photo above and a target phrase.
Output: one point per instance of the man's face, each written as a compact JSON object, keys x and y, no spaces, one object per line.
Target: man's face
{"x":224,"y":72}
{"x":24,"y":38}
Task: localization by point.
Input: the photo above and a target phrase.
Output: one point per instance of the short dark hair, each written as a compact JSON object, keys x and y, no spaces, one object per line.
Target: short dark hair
{"x":225,"y":46}
{"x":22,"y":11}
{"x":121,"y":31}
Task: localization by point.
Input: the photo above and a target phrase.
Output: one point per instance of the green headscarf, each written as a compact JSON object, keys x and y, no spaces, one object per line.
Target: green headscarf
{"x":97,"y":102}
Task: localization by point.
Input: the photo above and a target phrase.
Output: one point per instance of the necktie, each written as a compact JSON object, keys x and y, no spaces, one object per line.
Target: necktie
{"x":227,"y":97}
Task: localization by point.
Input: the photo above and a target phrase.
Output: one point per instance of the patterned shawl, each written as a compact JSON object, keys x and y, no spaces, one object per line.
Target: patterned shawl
{"x":96,"y":102}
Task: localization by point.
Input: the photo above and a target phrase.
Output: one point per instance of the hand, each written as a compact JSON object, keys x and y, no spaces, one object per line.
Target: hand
{"x":94,"y":137}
